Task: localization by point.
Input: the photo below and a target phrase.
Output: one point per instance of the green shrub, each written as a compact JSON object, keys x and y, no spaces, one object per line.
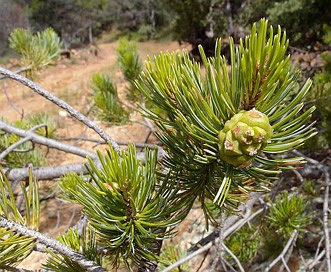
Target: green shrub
{"x":106,"y":99}
{"x":172,"y":254}
{"x":130,"y":64}
{"x":302,"y":19}
{"x":244,"y":243}
{"x":27,"y":152}
{"x":320,"y":95}
{"x":36,"y":51}
{"x":288,"y":213}
{"x":49,"y":128}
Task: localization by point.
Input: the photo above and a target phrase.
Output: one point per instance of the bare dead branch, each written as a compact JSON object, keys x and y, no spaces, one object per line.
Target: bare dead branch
{"x":18,"y":143}
{"x":325,"y":170}
{"x":81,"y":139}
{"x":219,"y":244}
{"x":52,"y":244}
{"x":286,"y":258}
{"x":326,"y":220}
{"x":45,"y":173}
{"x":289,"y":243}
{"x":316,"y":260}
{"x":233,"y":257}
{"x":45,"y":141}
{"x":229,"y":229}
{"x":11,"y":103}
{"x":19,"y":71}
{"x":101,"y":142}
{"x":62,"y":104}
{"x":13,"y":146}
{"x":54,"y":172}
{"x":231,"y":224}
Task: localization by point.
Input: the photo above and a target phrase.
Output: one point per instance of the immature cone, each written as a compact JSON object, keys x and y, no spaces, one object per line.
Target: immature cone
{"x":243,"y":136}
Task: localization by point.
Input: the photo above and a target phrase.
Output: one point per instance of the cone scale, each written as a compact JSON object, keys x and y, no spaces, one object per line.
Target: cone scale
{"x":243,"y":137}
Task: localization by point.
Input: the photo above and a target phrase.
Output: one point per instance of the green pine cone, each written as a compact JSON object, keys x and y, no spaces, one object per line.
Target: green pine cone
{"x":243,"y":136}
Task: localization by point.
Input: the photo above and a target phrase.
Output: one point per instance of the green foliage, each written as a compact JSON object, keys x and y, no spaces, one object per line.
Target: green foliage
{"x":170,"y":255}
{"x":13,"y":247}
{"x":272,"y":243}
{"x":244,"y":243}
{"x":194,"y":17}
{"x":311,"y":189}
{"x":71,"y":18}
{"x":327,"y":35}
{"x":145,"y":31}
{"x":36,"y":51}
{"x":106,"y":99}
{"x":84,"y":243}
{"x":198,"y":105}
{"x":130,"y":64}
{"x":285,"y":215}
{"x":48,"y":125}
{"x":126,"y":207}
{"x":288,"y":213}
{"x":321,"y":95}
{"x":302,"y":19}
{"x":27,"y":152}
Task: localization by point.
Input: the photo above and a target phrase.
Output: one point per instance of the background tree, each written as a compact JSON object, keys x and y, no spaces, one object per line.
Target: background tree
{"x":303,"y":20}
{"x":75,"y":21}
{"x":11,"y":16}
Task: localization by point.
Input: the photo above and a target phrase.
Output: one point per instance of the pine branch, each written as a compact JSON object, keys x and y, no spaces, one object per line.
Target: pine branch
{"x":62,"y":104}
{"x":51,"y":243}
{"x":45,"y":173}
{"x":45,"y":141}
{"x":54,"y":172}
{"x":18,"y":143}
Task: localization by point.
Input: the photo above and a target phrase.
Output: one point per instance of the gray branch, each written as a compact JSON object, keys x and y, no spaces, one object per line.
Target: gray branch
{"x":18,"y":143}
{"x":14,"y":269}
{"x":62,"y":104}
{"x":54,"y":172}
{"x":45,"y":141}
{"x":232,"y":224}
{"x":45,"y":173}
{"x":289,"y":243}
{"x":326,"y":219}
{"x":52,"y":243}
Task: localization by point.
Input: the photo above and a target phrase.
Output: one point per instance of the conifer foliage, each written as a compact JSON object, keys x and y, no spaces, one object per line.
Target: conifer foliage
{"x":222,"y":129}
